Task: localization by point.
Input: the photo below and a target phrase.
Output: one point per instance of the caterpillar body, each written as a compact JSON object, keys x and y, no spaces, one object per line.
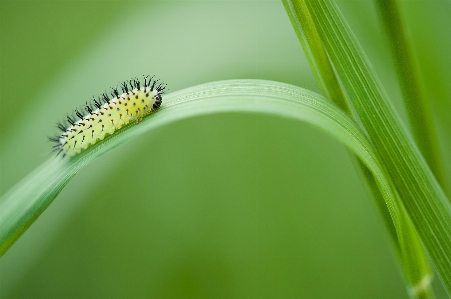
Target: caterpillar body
{"x":105,"y":115}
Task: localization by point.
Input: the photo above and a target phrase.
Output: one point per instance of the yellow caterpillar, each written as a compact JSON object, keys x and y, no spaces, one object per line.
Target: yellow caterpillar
{"x":105,"y":115}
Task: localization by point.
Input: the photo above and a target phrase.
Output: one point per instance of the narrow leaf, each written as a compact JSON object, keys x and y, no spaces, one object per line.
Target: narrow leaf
{"x":421,"y":194}
{"x":420,"y":115}
{"x":28,"y":199}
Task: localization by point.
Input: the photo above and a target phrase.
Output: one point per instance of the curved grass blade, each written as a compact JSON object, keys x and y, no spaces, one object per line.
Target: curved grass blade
{"x":25,"y":202}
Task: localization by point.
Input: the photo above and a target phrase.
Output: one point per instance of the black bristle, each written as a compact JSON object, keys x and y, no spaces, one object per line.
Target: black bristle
{"x":124,"y":87}
{"x":61,"y":126}
{"x":161,"y":87}
{"x":88,"y":107}
{"x":54,"y":139}
{"x":57,"y":147}
{"x":105,"y":98}
{"x":70,"y":120}
{"x":132,"y":84}
{"x":79,"y":114}
{"x":115,"y":92}
{"x":153,"y":85}
{"x":146,"y":84}
{"x":97,"y":104}
{"x":137,"y":83}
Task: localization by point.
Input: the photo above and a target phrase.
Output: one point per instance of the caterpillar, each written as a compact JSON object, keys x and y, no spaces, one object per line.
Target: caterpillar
{"x":104,"y":115}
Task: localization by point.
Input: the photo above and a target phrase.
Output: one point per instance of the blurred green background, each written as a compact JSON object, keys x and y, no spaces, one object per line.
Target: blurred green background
{"x":219,"y":206}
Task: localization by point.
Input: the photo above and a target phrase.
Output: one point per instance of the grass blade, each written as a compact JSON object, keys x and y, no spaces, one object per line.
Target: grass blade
{"x":25,"y":202}
{"x":316,"y":54}
{"x":409,"y":252}
{"x":420,"y":114}
{"x":421,"y":194}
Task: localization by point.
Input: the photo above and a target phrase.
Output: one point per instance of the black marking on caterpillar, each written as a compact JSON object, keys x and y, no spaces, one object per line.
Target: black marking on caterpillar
{"x":106,"y":115}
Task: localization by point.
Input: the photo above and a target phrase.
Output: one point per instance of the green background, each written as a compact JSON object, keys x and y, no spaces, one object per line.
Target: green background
{"x":219,"y":206}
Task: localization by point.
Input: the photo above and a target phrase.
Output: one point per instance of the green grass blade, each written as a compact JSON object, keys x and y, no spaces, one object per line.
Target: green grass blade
{"x":409,"y":252}
{"x":420,"y":114}
{"x":422,"y":196}
{"x":316,"y":54}
{"x":27,"y":200}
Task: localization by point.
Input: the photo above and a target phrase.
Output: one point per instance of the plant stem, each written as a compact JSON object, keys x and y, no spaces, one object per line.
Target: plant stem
{"x":316,"y":54}
{"x":407,"y":244}
{"x":422,"y":196}
{"x":420,"y":115}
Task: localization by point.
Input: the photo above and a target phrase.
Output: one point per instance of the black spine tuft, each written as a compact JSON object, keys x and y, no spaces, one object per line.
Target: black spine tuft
{"x":124,"y":87}
{"x":131,"y":82}
{"x":54,"y":139}
{"x":153,"y":85}
{"x":105,"y":98}
{"x":61,"y":126}
{"x":115,"y":92}
{"x":97,"y":104}
{"x":161,"y":87}
{"x":147,"y":80}
{"x":79,"y":114}
{"x":70,"y":120}
{"x":88,"y":107}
